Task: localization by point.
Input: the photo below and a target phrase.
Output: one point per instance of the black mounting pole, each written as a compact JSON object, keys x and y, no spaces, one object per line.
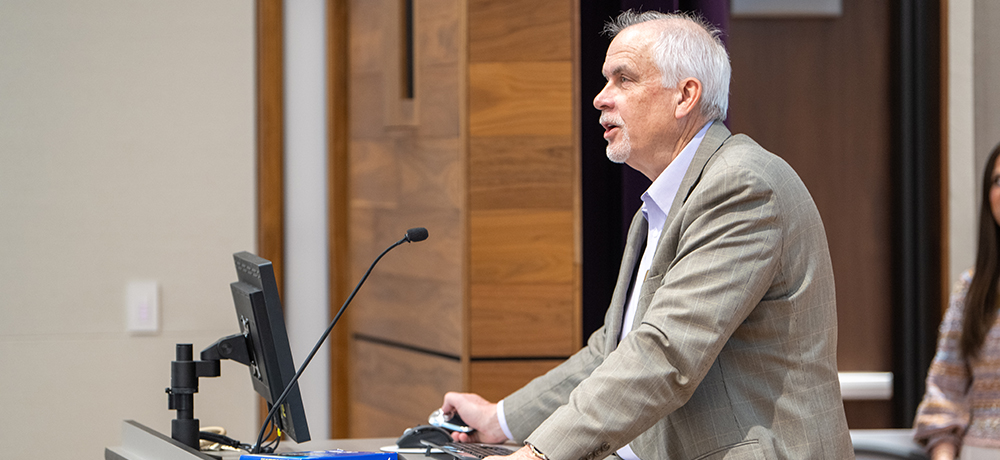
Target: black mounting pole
{"x":184,"y":374}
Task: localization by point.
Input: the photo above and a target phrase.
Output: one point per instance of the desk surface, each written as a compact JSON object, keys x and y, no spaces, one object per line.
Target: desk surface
{"x":371,"y":444}
{"x":140,"y":442}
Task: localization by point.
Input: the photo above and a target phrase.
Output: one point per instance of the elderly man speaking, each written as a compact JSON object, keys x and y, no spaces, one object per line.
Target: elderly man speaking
{"x":720,"y":340}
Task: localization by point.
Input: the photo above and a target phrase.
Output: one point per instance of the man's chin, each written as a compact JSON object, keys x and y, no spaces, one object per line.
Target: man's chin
{"x":616,"y":156}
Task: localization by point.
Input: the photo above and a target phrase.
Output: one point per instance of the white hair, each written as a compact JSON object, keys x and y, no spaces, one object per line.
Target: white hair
{"x":683,"y":52}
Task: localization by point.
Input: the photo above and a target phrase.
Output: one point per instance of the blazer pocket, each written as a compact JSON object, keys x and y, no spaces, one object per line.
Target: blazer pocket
{"x":744,"y":450}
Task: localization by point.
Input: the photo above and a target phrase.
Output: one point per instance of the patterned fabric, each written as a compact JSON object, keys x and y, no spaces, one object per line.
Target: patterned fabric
{"x":957,"y":407}
{"x":732,"y":352}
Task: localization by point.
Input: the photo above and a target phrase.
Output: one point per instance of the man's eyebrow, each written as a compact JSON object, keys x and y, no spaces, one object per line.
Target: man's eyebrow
{"x":617,"y":70}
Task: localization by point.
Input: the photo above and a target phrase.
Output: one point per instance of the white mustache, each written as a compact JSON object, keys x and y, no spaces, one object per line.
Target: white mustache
{"x":612,"y":119}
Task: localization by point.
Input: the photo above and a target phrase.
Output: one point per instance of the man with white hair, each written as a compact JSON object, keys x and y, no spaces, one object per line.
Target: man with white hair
{"x":720,"y":340}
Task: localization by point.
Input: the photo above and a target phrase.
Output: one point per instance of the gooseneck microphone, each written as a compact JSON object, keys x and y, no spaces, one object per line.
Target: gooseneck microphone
{"x":413,"y":235}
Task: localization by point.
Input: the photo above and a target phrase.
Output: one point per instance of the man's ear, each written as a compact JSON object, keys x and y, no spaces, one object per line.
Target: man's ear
{"x":689,"y":96}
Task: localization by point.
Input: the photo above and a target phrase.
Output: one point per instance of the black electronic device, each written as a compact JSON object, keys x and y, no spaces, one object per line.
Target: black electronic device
{"x":450,"y":422}
{"x":262,"y":326}
{"x":413,"y":437}
{"x":262,"y":345}
{"x":470,"y":450}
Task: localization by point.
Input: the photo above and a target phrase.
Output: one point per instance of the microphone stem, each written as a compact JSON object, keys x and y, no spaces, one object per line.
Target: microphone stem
{"x":284,"y":394}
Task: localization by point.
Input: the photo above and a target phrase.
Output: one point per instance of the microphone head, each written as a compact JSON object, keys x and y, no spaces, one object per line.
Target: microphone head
{"x":416,"y":234}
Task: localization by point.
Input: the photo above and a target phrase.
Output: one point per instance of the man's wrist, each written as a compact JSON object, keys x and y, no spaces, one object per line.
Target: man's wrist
{"x":502,"y":421}
{"x":534,"y":451}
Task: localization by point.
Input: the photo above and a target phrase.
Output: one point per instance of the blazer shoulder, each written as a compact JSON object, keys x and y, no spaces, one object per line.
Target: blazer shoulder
{"x":741,"y":152}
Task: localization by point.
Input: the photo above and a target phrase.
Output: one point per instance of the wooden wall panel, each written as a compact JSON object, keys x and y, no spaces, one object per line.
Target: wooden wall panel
{"x":494,"y":380}
{"x":515,"y":246}
{"x":270,"y":136}
{"x":407,"y":169}
{"x":415,"y":295}
{"x":523,"y":181}
{"x":270,"y":144}
{"x":500,"y":177}
{"x":499,"y":93}
{"x":520,"y":30}
{"x":405,"y":176}
{"x":338,"y":178}
{"x":401,"y":388}
{"x":485,"y":157}
{"x":522,"y":320}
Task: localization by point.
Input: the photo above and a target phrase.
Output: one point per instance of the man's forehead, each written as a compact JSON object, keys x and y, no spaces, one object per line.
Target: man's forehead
{"x":626,"y":52}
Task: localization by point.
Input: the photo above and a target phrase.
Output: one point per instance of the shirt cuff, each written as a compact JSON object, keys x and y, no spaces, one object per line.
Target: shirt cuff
{"x":503,"y":421}
{"x":626,"y":453}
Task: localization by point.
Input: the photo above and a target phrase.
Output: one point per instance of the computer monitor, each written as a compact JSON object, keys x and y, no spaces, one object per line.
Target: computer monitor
{"x":268,"y":355}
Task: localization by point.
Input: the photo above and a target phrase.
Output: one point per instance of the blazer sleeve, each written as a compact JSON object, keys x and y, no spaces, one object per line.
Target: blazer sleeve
{"x":728,"y":251}
{"x":528,"y":407}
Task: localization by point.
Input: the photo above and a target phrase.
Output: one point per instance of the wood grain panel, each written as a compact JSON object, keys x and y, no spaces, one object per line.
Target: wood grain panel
{"x":498,"y":92}
{"x":520,"y":30}
{"x":522,"y":320}
{"x":522,"y":247}
{"x":522,"y":173}
{"x":270,"y":135}
{"x":338,"y":175}
{"x":394,"y":388}
{"x":488,"y":165}
{"x":494,"y":380}
{"x":438,"y":32}
{"x":270,"y":144}
{"x":415,"y":294}
{"x":437,"y":101}
{"x":367,"y":119}
{"x":368,"y":35}
{"x":408,"y":175}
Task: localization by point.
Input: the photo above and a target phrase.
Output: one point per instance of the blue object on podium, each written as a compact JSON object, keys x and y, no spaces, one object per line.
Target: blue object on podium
{"x":337,"y":454}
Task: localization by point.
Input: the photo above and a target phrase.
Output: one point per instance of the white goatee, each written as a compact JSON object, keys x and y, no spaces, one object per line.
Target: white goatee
{"x":618,"y":153}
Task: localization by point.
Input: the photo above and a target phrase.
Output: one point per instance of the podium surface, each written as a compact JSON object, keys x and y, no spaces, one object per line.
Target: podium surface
{"x":140,"y":442}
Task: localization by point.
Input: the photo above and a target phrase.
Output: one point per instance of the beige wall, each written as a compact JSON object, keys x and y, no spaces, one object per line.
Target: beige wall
{"x":987,"y":86}
{"x":973,"y":119}
{"x":126,"y":152}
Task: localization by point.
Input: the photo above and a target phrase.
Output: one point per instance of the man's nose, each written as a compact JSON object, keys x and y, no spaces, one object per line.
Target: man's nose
{"x":603,"y":99}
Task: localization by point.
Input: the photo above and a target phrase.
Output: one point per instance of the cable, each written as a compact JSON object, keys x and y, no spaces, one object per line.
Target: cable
{"x":412,"y":235}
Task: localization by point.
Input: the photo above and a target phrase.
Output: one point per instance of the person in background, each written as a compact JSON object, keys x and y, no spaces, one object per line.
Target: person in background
{"x":960,"y":412}
{"x":720,"y":340}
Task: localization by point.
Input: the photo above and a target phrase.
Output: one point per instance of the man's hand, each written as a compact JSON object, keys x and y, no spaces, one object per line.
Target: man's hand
{"x":479,"y":413}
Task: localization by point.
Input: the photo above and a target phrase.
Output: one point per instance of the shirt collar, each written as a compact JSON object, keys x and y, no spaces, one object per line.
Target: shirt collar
{"x":658,"y":197}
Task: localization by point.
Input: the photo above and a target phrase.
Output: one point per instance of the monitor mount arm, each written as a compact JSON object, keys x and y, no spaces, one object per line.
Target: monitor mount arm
{"x":184,"y":375}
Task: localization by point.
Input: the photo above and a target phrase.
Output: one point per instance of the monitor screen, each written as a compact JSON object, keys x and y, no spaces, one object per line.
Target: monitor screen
{"x":262,"y":323}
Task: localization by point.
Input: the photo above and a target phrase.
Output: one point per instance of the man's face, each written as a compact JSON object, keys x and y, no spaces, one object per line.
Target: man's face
{"x":636,"y":110}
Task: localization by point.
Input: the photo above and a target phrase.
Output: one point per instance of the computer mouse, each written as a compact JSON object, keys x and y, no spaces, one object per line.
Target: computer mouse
{"x":450,"y":422}
{"x":412,"y":436}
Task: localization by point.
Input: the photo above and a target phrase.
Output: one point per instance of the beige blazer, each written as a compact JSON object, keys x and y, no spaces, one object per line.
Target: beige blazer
{"x":733,"y":351}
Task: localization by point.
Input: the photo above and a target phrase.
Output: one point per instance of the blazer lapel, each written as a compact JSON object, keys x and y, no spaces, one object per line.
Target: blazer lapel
{"x":716,"y":135}
{"x":666,"y":248}
{"x":630,"y":261}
